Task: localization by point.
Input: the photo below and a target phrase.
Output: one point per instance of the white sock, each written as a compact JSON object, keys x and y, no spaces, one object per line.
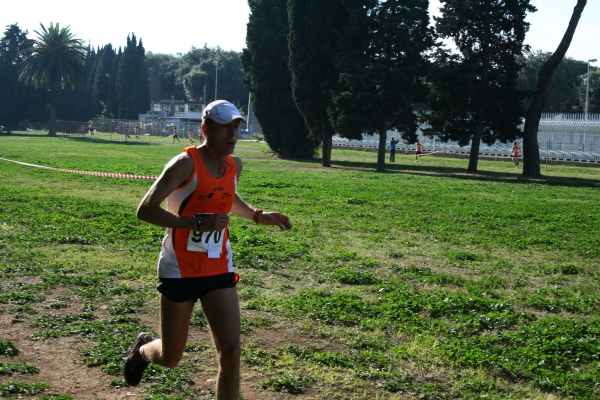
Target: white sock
{"x":143,"y":355}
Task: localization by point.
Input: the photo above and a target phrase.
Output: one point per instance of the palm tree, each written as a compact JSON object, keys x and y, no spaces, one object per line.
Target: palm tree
{"x":57,"y":59}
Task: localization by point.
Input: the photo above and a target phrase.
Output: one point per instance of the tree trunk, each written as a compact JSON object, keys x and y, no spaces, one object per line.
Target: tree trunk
{"x":327,"y":145}
{"x":52,"y":116}
{"x":479,"y":114}
{"x":531,"y":150}
{"x":381,"y":149}
{"x":475,"y":142}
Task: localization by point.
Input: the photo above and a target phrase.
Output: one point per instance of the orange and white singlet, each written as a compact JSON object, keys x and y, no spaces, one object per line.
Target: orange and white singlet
{"x":515,"y":151}
{"x":193,"y":254}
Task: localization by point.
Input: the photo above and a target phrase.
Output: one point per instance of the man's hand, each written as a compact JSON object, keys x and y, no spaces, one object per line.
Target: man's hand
{"x":275,"y":218}
{"x":214,"y":222}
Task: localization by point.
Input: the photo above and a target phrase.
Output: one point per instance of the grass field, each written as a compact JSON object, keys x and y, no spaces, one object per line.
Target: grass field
{"x":422,"y":282}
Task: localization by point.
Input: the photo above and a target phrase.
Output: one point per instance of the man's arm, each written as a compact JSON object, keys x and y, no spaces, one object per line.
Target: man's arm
{"x":243,"y":209}
{"x":176,"y":172}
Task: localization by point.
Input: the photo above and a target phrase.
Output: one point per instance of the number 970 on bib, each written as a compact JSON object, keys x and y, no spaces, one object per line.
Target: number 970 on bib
{"x":206,"y":242}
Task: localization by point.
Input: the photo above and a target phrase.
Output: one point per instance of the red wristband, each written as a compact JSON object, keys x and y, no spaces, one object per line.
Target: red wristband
{"x":256,"y":214}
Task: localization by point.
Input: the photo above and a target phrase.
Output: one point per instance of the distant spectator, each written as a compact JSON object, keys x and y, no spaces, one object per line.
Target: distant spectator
{"x":82,"y":130}
{"x":393,"y":144}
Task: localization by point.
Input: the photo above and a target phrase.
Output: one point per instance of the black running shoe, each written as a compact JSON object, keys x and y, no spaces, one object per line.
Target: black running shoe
{"x":134,"y":366}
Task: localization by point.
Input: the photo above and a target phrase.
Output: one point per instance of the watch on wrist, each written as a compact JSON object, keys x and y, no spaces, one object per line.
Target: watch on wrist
{"x":198,"y":218}
{"x":256,"y":214}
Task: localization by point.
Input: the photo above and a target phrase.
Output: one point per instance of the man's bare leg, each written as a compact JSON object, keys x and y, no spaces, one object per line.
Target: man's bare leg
{"x":174,"y":324}
{"x":222,"y":310}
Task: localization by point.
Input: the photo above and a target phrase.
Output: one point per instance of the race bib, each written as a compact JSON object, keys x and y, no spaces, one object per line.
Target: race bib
{"x":206,"y":242}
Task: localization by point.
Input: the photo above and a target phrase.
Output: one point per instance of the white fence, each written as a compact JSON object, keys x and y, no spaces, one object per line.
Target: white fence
{"x":567,"y":137}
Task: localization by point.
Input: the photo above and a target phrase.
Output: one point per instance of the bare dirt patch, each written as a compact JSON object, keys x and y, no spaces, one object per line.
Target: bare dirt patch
{"x":60,"y":361}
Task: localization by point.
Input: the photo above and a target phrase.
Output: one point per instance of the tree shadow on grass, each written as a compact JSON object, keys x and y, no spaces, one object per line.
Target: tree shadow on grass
{"x":461,"y":173}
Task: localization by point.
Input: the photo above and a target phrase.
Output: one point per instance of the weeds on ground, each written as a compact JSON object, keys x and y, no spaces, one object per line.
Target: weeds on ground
{"x":398,"y":284}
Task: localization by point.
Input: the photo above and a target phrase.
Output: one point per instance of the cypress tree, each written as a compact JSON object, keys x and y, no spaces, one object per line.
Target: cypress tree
{"x":268,"y":78}
{"x":314,"y":27}
{"x":140,"y":90}
{"x":113,"y":98}
{"x":131,"y":86}
{"x":100,"y":89}
{"x":125,"y":78}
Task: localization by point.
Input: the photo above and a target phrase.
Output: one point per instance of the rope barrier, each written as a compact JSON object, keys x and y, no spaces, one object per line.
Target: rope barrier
{"x":92,"y":173}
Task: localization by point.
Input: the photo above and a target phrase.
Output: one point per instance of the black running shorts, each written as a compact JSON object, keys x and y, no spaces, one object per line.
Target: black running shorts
{"x":179,"y":290}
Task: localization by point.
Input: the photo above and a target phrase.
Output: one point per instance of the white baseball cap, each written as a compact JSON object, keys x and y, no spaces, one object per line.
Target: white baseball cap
{"x":222,"y":112}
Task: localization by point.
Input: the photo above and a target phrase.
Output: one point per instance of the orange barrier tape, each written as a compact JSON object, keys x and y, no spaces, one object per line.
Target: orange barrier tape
{"x":73,"y":171}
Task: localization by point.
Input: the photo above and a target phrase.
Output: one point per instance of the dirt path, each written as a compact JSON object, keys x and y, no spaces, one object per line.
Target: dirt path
{"x":61,"y":367}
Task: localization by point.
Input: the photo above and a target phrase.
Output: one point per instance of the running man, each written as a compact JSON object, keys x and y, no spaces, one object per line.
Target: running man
{"x":195,"y":263}
{"x":175,"y":135}
{"x":515,"y":154}
{"x":136,"y":130}
{"x":191,"y":136}
{"x":419,"y":151}
{"x":127,"y":133}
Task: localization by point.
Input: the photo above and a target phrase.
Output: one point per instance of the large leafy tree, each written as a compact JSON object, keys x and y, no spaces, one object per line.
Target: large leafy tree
{"x":474,"y":93}
{"x":162,"y":75}
{"x":314,"y":28}
{"x":381,"y":65}
{"x":564,"y":85}
{"x":265,"y":60}
{"x":57,"y":60}
{"x":531,"y":149}
{"x":17,"y":102}
{"x":206,"y":67}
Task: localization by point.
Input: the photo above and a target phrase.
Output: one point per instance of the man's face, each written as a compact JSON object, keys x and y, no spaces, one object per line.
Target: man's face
{"x":223,"y":137}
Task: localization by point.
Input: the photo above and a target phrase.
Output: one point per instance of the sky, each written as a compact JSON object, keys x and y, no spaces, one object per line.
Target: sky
{"x":176,"y":27}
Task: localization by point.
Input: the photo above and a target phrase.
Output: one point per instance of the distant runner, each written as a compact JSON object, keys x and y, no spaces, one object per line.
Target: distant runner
{"x":515,"y":154}
{"x":175,"y":135}
{"x":419,"y":151}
